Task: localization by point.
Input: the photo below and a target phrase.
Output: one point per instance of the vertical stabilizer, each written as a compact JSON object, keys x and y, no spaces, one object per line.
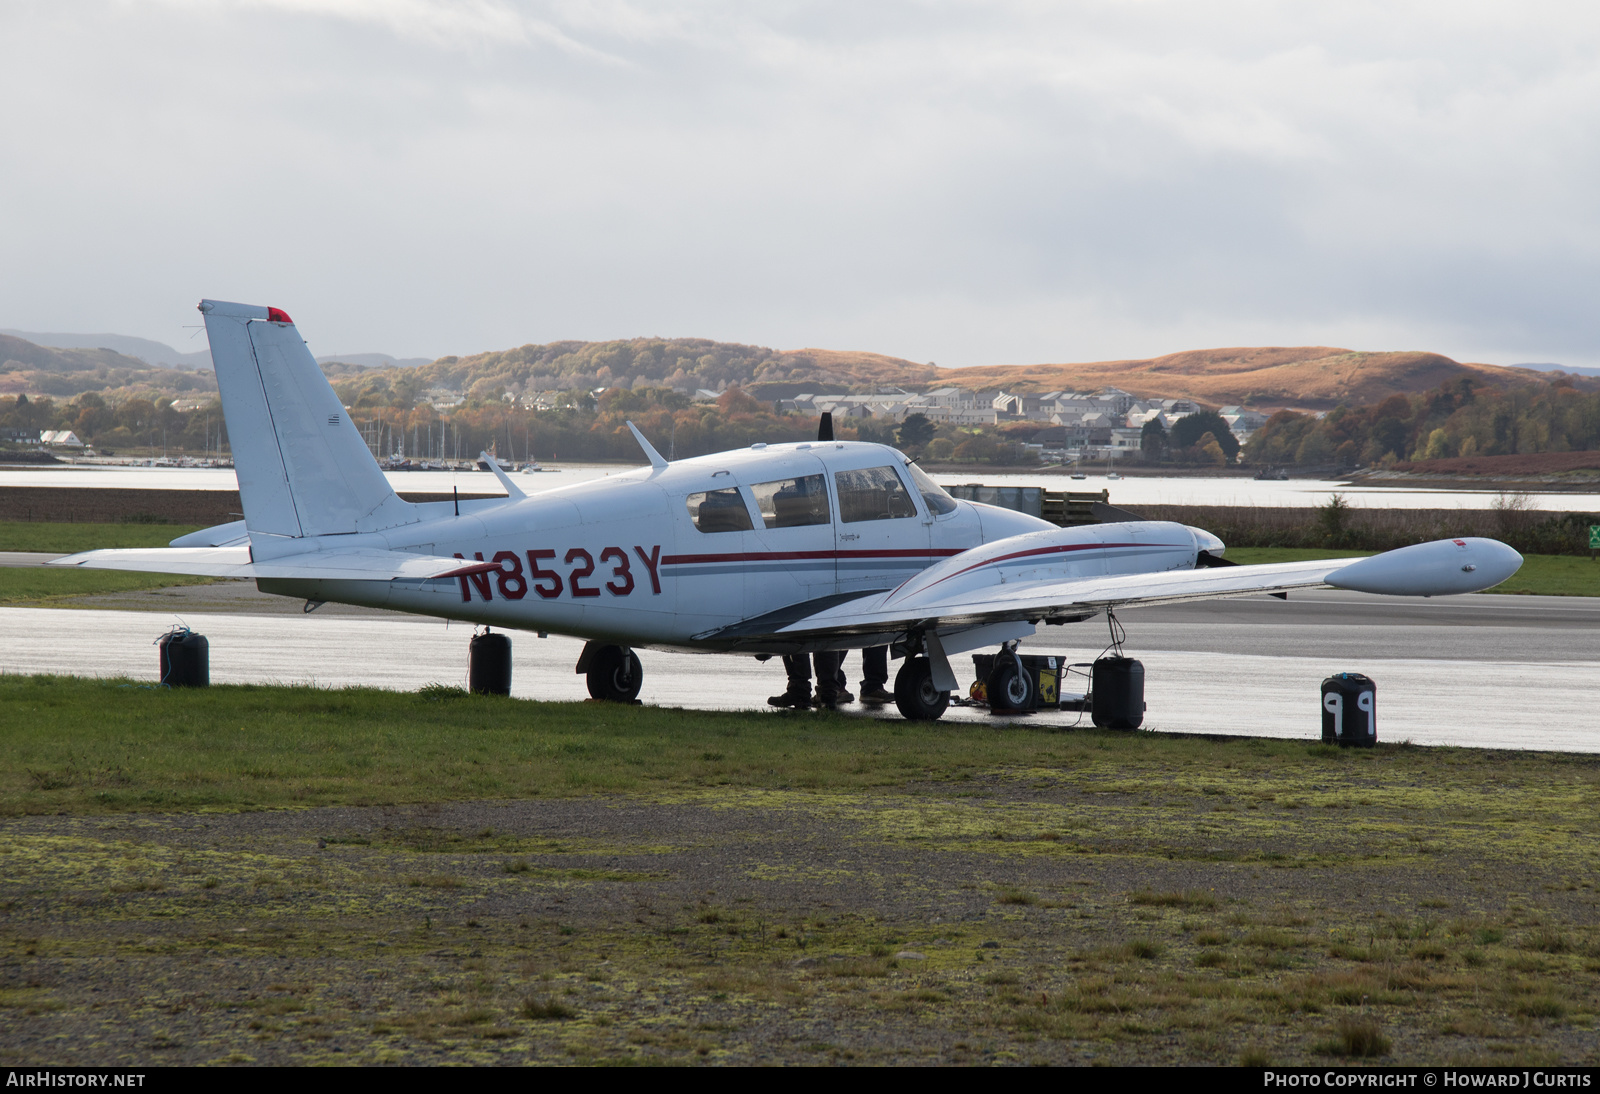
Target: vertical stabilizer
{"x":303,"y":468}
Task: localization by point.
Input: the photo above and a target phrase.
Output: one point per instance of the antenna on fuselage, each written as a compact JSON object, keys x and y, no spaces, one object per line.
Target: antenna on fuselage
{"x":649,"y":449}
{"x":825,"y":426}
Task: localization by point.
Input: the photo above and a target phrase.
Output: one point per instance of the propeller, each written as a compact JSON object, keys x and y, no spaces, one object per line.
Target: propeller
{"x":825,"y":426}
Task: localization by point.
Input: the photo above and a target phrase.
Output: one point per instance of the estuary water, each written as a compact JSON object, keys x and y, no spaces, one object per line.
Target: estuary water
{"x":1132,"y":491}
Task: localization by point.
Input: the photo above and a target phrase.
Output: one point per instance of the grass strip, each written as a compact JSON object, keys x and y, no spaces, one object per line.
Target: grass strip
{"x":660,"y":886}
{"x":77,"y":745}
{"x":23,"y":535}
{"x":43,"y":586}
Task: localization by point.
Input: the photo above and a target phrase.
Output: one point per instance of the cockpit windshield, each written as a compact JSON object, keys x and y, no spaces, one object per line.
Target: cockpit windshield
{"x":939,"y":503}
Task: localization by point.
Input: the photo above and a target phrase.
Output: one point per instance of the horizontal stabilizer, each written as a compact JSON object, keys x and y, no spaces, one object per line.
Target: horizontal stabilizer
{"x":220,"y":535}
{"x":345,"y":564}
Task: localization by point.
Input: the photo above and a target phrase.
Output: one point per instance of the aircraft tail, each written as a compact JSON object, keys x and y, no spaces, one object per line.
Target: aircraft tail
{"x":303,"y":468}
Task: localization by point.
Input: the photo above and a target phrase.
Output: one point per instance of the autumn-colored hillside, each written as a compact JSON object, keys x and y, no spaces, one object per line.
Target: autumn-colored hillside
{"x":29,"y":369}
{"x":1303,"y":377}
{"x":1269,"y":378}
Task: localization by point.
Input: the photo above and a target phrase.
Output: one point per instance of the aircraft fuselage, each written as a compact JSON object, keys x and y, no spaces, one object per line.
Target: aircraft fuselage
{"x":667,"y":557}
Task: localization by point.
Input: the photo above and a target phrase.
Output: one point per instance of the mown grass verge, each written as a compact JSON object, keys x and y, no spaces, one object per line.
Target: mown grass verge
{"x":92,"y":746}
{"x":27,"y":535}
{"x":44,"y":586}
{"x":39,"y":586}
{"x":594,"y":883}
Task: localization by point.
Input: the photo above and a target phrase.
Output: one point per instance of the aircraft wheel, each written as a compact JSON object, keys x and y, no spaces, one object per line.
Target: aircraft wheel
{"x":1009,"y":687}
{"x":914,"y":693}
{"x":615,"y":675}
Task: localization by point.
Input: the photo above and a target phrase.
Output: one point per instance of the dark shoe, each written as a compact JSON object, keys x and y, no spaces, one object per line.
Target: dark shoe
{"x":790,"y":699}
{"x":875,"y":695}
{"x":825,"y":704}
{"x":845,"y":696}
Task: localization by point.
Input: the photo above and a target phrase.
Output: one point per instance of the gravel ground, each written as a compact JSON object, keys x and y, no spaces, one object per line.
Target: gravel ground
{"x":1009,"y":919}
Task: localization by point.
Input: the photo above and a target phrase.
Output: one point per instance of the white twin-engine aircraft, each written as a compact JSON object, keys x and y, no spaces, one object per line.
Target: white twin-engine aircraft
{"x":783,"y":548}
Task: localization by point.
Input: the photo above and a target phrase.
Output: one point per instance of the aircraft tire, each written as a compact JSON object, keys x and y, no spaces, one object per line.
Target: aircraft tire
{"x":1009,"y":687}
{"x":615,"y":675}
{"x":914,"y":693}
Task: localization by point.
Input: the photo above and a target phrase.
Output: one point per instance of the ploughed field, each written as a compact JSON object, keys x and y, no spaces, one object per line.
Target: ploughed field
{"x":293,"y":875}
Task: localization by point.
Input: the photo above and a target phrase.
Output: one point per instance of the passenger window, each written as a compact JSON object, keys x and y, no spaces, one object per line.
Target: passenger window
{"x":790,"y":503}
{"x":873,"y":494}
{"x":719,"y":511}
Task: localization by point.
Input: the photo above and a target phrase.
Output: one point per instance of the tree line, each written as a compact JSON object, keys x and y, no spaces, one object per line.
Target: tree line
{"x":1457,"y":419}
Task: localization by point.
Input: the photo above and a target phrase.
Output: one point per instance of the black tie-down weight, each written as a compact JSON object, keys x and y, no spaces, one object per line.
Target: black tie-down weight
{"x":1349,"y":710}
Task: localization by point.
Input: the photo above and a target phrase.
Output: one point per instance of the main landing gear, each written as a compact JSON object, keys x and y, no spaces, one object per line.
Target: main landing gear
{"x":915,"y":694}
{"x":614,"y":673}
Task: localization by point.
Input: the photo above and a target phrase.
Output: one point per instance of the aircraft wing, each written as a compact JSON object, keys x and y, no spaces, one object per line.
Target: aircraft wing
{"x":344,"y":564}
{"x":1034,"y":578}
{"x":1065,"y":600}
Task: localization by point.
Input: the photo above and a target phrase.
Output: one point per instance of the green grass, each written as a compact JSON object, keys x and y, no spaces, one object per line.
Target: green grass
{"x":20,"y":535}
{"x":1543,"y":575}
{"x":79,"y":745}
{"x":43,"y":586}
{"x":88,"y":745}
{"x":912,"y":893}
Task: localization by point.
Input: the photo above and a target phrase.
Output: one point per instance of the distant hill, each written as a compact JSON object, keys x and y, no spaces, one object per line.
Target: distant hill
{"x":28,"y":368}
{"x":373,"y":360}
{"x":1302,"y":377}
{"x":1273,"y":377}
{"x":648,"y":362}
{"x":161,"y":354}
{"x":1546,"y":366}
{"x":150,"y":352}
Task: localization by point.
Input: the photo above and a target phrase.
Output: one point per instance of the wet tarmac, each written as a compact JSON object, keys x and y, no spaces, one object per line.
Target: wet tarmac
{"x":1482,"y":671}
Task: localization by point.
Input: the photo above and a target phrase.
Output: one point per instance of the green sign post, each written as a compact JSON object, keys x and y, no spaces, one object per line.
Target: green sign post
{"x":1594,"y":540}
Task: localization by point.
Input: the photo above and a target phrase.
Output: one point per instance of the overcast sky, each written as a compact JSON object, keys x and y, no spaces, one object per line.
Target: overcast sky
{"x":969,"y":184}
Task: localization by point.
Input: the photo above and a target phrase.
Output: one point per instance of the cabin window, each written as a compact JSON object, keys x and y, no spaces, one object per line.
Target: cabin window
{"x":719,"y":511}
{"x":874,"y":493}
{"x":791,"y":503}
{"x":933,"y":495}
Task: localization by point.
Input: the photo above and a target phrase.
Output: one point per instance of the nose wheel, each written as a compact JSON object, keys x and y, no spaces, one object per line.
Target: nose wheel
{"x":914,"y":693}
{"x":613,"y":673}
{"x":1010,"y":686}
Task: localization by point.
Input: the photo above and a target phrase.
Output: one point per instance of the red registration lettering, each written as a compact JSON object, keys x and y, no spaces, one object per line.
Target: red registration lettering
{"x":584,"y":571}
{"x":552,"y":590}
{"x":513,"y":586}
{"x":621,"y":571}
{"x":479,"y":581}
{"x":651,"y":561}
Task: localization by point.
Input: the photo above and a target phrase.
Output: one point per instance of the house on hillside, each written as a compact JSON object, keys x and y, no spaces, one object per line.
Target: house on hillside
{"x":951,"y":398}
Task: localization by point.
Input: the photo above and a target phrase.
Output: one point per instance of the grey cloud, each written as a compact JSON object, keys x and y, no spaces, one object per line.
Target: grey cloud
{"x":964,"y":183}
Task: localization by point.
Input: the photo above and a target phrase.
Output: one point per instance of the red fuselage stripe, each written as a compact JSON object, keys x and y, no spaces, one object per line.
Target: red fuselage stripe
{"x":784,"y":556}
{"x":1055,"y":550}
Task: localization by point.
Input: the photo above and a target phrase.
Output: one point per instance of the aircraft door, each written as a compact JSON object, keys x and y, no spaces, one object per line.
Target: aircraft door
{"x":793,"y":560}
{"x":714,"y":544}
{"x":882,"y":538}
